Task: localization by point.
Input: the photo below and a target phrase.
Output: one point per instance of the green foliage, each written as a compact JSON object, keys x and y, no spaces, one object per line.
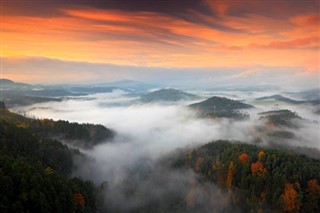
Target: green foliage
{"x":228,"y":114}
{"x":281,"y":134}
{"x":215,"y":104}
{"x":25,"y":187}
{"x":221,"y":107}
{"x":280,"y":117}
{"x":22,"y":143}
{"x":34,"y":172}
{"x":29,"y":189}
{"x":81,"y":135}
{"x":276,"y":168}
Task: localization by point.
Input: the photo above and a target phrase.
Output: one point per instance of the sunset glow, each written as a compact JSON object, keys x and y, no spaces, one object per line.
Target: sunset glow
{"x":135,"y":106}
{"x":213,"y":34}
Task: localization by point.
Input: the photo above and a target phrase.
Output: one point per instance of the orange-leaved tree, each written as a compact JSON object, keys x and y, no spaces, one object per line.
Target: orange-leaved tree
{"x":230,"y":175}
{"x":79,"y":199}
{"x":260,"y":155}
{"x":244,"y":157}
{"x":258,"y":168}
{"x":290,"y":198}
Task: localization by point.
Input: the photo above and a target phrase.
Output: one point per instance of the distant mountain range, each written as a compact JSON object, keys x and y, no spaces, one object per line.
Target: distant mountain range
{"x":20,"y":94}
{"x":258,"y":88}
{"x":131,"y":85}
{"x":167,"y":95}
{"x":95,"y":89}
{"x":281,"y":98}
{"x":9,"y":84}
{"x":313,"y":94}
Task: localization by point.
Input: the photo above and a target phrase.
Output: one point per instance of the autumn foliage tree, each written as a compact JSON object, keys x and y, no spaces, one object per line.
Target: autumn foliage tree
{"x":258,"y":176}
{"x":260,"y":155}
{"x":48,"y":171}
{"x":230,"y":175}
{"x":79,"y":199}
{"x":258,"y":168}
{"x":244,"y":157}
{"x":290,"y":198}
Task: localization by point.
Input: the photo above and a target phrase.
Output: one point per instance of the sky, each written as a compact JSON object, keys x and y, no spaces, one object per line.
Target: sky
{"x":245,"y":42}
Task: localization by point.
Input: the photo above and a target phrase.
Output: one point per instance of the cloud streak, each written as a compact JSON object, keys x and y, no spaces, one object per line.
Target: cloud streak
{"x":186,"y":34}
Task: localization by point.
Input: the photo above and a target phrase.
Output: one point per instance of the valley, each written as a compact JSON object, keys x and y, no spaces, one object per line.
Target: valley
{"x":203,"y":152}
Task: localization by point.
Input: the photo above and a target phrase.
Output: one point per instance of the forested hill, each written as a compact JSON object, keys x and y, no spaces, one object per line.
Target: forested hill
{"x":34,"y":172}
{"x":167,"y":95}
{"x":216,"y":107}
{"x":215,"y":103}
{"x":280,"y":98}
{"x":258,"y":179}
{"x":280,"y":118}
{"x":79,"y":135}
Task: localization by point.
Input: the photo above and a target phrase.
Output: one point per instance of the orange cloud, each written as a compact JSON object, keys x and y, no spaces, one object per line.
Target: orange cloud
{"x":160,"y":40}
{"x":309,"y":42}
{"x":307,"y":20}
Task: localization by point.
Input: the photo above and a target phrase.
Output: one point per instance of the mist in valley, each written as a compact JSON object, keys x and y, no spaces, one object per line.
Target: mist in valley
{"x":130,"y":168}
{"x":164,"y":106}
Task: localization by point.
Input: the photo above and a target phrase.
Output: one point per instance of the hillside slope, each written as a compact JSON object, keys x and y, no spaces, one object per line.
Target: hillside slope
{"x":167,"y":95}
{"x":79,"y":135}
{"x":35,"y":172}
{"x":217,"y":107}
{"x":258,"y":179}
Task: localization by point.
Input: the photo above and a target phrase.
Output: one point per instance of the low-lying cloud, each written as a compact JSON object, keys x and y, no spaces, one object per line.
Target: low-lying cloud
{"x":145,"y":134}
